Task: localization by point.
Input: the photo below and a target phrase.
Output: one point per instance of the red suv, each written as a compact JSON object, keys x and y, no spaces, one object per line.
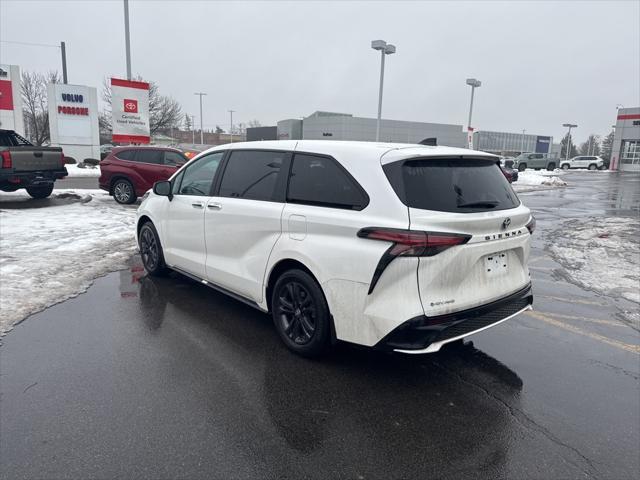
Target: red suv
{"x":128,"y":172}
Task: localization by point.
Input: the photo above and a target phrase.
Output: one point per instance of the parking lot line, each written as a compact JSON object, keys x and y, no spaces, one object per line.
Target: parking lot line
{"x":601,"y":338}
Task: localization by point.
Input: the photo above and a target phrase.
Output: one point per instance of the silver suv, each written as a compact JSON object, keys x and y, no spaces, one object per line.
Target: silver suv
{"x":535,"y":160}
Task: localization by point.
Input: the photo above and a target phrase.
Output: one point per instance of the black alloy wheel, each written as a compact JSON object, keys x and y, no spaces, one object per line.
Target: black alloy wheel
{"x":151,"y":250}
{"x":300,"y":313}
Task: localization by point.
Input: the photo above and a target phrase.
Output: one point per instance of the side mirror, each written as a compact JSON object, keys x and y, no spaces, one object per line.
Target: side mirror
{"x":163,"y":188}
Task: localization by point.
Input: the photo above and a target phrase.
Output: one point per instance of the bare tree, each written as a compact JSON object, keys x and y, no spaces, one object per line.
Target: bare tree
{"x":33,"y":88}
{"x":591,"y":146}
{"x":164,"y":111}
{"x":254,"y":123}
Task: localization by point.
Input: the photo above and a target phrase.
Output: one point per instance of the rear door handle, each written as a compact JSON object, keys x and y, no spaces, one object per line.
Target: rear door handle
{"x":197,"y":205}
{"x":214,"y":206}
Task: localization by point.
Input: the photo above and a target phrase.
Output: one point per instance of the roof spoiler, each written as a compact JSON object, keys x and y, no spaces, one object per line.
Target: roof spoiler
{"x":431,"y":142}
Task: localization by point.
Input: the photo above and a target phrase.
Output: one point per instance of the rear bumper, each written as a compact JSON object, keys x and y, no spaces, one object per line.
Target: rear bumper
{"x":27,"y":179}
{"x":428,"y":334}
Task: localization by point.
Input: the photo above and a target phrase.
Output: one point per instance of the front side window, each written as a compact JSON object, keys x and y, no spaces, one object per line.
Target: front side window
{"x":173,"y":158}
{"x":252,"y":174}
{"x":320,"y":181}
{"x":175,"y":183}
{"x":149,"y":156}
{"x":197,"y":178}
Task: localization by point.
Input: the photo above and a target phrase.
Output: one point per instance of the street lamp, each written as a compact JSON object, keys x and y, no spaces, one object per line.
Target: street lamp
{"x":201,"y":129}
{"x":568,"y":145}
{"x":522,"y":143}
{"x":474,"y":84}
{"x":385,"y":49}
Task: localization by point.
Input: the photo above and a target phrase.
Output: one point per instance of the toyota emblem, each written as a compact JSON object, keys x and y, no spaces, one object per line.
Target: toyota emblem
{"x":506,"y":223}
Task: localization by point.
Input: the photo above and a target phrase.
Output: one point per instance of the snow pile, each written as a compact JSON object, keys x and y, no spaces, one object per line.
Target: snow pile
{"x":50,"y":254}
{"x":601,"y":254}
{"x":540,"y":178}
{"x":88,"y":171}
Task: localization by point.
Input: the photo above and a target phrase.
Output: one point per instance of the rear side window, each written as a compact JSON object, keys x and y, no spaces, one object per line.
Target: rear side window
{"x":127,"y":155}
{"x":252,"y":174}
{"x":150,"y":156}
{"x":451,"y":185}
{"x":173,"y":158}
{"x":321,"y":181}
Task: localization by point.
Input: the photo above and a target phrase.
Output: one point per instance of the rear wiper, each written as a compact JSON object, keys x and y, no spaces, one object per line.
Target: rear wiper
{"x":484,"y":203}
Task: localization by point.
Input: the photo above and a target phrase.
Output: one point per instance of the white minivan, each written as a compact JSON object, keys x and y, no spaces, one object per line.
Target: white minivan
{"x":397,"y":246}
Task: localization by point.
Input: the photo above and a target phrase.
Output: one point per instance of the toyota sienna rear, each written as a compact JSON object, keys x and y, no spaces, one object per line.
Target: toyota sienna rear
{"x":401,"y":247}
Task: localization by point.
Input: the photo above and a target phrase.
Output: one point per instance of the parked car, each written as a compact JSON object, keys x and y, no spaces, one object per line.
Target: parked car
{"x":507,"y":161}
{"x":536,"y":161}
{"x":128,"y":172}
{"x":583,"y":161}
{"x":330,"y":237}
{"x":27,"y":166}
{"x":510,"y":174}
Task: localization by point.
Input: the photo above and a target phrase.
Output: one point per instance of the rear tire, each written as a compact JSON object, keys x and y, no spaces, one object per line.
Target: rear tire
{"x":301,"y":314}
{"x":522,"y":167}
{"x":151,"y":250}
{"x":123,"y":191}
{"x":41,"y":191}
{"x":593,"y":166}
{"x":551,"y":167}
{"x":565,"y":166}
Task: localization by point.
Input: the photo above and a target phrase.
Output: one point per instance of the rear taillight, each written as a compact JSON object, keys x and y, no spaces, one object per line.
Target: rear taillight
{"x":62,"y":159}
{"x":6,"y":159}
{"x":531,"y":226}
{"x":409,"y":243}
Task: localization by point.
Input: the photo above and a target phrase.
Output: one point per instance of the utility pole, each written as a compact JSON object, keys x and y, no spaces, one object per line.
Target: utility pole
{"x":568,"y":144}
{"x":127,"y":41}
{"x":63,"y":51}
{"x":522,"y":146}
{"x":200,"y":94}
{"x":231,"y":125}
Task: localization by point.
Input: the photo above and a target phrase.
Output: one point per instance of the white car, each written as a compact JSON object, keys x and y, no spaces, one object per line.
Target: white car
{"x":583,"y":161}
{"x":402,"y":247}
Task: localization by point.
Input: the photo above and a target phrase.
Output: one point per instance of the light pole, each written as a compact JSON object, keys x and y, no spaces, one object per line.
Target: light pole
{"x":385,"y":49}
{"x":474,"y":84}
{"x":193,"y":129}
{"x":568,"y":144}
{"x":200,"y":94}
{"x":522,"y":145}
{"x":127,"y":42}
{"x":231,"y":126}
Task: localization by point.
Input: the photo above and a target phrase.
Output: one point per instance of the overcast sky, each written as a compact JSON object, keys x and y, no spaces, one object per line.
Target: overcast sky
{"x":541,"y":63}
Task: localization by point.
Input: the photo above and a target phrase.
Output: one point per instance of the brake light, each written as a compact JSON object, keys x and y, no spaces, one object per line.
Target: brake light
{"x":6,"y":159}
{"x":62,"y":159}
{"x":531,"y":226}
{"x":409,"y":243}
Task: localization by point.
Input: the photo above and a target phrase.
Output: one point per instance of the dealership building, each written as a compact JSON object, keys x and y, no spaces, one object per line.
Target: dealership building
{"x":344,"y":126}
{"x":625,"y":152}
{"x":506,"y":143}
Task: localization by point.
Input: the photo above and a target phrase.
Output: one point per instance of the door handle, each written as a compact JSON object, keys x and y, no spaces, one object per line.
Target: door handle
{"x":214,"y":206}
{"x":197,"y":205}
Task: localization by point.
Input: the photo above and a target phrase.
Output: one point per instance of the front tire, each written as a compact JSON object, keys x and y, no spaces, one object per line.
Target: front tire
{"x":593,"y":166}
{"x":522,"y":167}
{"x":123,"y":192}
{"x":565,"y":166}
{"x":151,"y":250}
{"x":551,"y":167}
{"x":41,"y":191}
{"x":301,"y":314}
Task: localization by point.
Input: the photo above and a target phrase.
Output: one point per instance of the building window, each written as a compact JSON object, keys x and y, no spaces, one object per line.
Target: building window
{"x":630,"y":152}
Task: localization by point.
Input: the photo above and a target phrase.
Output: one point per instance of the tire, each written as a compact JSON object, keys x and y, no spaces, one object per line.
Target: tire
{"x":151,"y":250}
{"x":593,"y":166}
{"x":123,"y":191}
{"x":301,"y":314}
{"x":565,"y":166}
{"x":551,"y":167}
{"x":522,"y":167}
{"x":41,"y":191}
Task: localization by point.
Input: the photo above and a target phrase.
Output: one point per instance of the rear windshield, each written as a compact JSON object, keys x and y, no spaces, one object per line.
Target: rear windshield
{"x":451,"y":185}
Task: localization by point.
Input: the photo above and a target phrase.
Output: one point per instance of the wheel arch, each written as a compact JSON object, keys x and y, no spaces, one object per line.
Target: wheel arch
{"x":286,"y":264}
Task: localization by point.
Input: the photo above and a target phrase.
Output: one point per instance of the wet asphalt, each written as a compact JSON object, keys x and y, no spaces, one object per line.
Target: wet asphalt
{"x":164,"y":378}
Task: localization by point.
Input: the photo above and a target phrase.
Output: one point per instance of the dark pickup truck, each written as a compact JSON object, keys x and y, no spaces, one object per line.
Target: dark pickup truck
{"x":27,"y":166}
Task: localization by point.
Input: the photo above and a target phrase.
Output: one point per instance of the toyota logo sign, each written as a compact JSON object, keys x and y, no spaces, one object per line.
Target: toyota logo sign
{"x":130,"y":106}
